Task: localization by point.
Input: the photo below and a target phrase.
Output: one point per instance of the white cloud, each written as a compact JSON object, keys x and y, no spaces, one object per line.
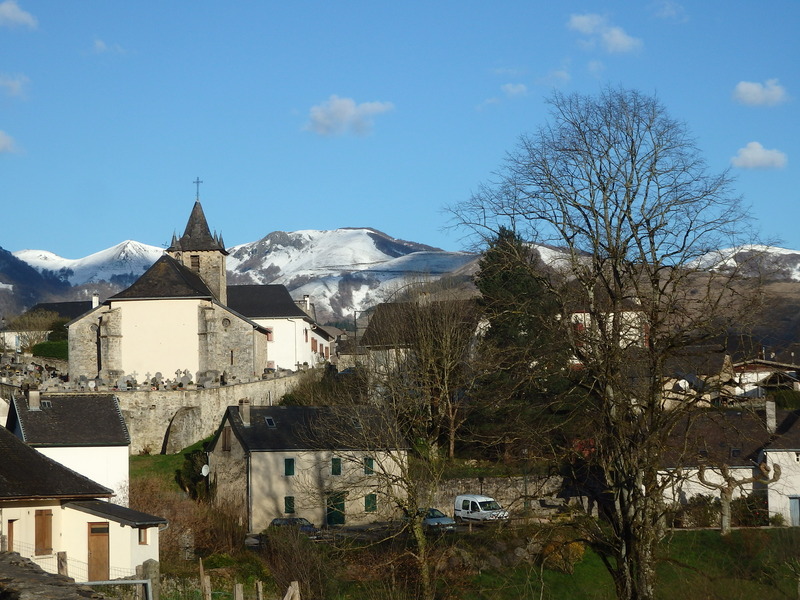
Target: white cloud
{"x":337,"y":116}
{"x":100,"y":47}
{"x":514,"y":89}
{"x":755,"y":156}
{"x":555,"y":77}
{"x":599,"y":31}
{"x":596,"y":67}
{"x":752,"y":93}
{"x":13,"y":86}
{"x":587,"y":24}
{"x":6,"y":143}
{"x":11,"y":14}
{"x":670,"y":10}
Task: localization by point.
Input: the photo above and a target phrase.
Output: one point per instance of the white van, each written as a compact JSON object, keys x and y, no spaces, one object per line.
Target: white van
{"x":473,"y":507}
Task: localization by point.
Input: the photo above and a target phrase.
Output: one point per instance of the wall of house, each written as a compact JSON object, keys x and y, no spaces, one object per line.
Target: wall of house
{"x":23,"y":514}
{"x":106,"y":465}
{"x":687,"y":484}
{"x":788,"y":486}
{"x":313,"y":481}
{"x":228,"y":477}
{"x":292,"y":343}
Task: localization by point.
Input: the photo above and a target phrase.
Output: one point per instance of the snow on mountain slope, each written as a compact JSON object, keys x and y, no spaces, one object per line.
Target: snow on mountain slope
{"x":772,"y":262}
{"x":122,"y":263}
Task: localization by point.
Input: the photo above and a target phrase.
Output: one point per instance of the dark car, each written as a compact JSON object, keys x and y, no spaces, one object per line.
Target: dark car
{"x":304,"y":526}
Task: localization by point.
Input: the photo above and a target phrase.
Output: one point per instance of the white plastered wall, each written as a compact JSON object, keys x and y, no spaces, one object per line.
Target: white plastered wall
{"x":159,"y":336}
{"x":107,"y":465}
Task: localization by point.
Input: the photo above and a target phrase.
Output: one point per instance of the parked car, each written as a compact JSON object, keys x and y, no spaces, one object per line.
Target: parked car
{"x":303,"y":525}
{"x":435,"y":521}
{"x":474,"y":507}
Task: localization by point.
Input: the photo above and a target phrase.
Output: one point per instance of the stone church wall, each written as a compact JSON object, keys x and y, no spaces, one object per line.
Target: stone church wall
{"x":169,"y":420}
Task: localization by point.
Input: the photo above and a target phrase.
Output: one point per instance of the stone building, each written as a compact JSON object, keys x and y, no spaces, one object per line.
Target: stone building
{"x":175,"y":321}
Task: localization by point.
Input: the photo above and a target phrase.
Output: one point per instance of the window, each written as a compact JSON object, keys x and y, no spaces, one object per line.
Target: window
{"x":288,"y":504}
{"x":226,"y":439}
{"x":370,"y":503}
{"x":369,"y":465}
{"x":288,"y":467}
{"x":336,"y":466}
{"x":195,"y":262}
{"x":305,"y":333}
{"x":313,"y":345}
{"x":43,"y":525}
{"x":736,"y":452}
{"x":270,"y":422}
{"x":142,"y":536}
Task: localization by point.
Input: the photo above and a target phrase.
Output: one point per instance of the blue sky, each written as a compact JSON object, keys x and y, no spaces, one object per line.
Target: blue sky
{"x":324,"y":114}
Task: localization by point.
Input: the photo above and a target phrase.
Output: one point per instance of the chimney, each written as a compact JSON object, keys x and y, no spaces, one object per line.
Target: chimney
{"x":34,"y":400}
{"x":771,"y":419}
{"x":307,"y":300}
{"x":95,"y":300}
{"x":244,"y":411}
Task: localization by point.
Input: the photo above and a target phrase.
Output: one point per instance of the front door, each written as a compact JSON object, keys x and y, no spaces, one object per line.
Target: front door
{"x":98,"y":551}
{"x":334,"y":508}
{"x":11,"y":535}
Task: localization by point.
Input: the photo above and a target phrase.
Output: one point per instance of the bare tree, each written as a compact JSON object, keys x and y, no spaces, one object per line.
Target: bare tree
{"x":621,"y":187}
{"x":33,"y":327}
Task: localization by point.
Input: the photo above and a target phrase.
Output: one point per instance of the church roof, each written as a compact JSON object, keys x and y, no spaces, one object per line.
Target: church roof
{"x":263,"y":301}
{"x":197,"y":236}
{"x":167,"y":278}
{"x":25,"y":473}
{"x":62,"y":420}
{"x":65,"y":310}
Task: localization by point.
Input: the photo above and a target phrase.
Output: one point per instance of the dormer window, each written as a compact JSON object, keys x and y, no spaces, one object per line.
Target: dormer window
{"x":46,"y":404}
{"x":736,"y":452}
{"x":270,"y":422}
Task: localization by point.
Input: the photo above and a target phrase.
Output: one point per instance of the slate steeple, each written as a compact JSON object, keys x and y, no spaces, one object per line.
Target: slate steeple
{"x":199,"y":250}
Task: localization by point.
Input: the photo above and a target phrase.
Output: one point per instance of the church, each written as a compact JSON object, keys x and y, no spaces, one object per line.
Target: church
{"x":181,"y":317}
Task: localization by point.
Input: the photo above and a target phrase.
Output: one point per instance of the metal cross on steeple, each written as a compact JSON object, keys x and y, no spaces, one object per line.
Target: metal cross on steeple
{"x":197,"y":182}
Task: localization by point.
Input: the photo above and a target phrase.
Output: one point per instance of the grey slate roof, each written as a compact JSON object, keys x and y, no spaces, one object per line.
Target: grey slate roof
{"x":197,"y":236}
{"x":26,"y":474}
{"x":310,"y":428}
{"x":65,"y":310}
{"x":263,"y":301}
{"x":116,"y":513}
{"x":731,"y":437}
{"x":70,"y":420}
{"x":167,"y":278}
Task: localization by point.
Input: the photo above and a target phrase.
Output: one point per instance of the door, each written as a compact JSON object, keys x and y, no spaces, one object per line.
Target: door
{"x":10,"y":537}
{"x":98,"y":551}
{"x":794,"y":510}
{"x":334,"y":508}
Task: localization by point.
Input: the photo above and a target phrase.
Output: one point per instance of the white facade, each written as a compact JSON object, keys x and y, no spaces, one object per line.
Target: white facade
{"x":159,"y":336}
{"x":107,"y":465}
{"x":784,"y":495}
{"x":294,"y":343}
{"x":69,"y":531}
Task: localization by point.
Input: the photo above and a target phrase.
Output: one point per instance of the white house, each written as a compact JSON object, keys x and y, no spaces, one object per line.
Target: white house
{"x":51,"y":514}
{"x":748,"y":444}
{"x":86,"y":433}
{"x":329,"y":465}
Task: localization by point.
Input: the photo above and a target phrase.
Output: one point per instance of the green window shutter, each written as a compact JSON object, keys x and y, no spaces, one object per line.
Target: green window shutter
{"x":370,"y":503}
{"x":336,"y":466}
{"x":369,"y":465}
{"x":288,"y":467}
{"x":288,"y":504}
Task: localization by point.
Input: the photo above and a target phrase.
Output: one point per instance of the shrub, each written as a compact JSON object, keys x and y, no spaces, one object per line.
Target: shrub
{"x":750,"y":510}
{"x":702,"y":510}
{"x":57,"y":349}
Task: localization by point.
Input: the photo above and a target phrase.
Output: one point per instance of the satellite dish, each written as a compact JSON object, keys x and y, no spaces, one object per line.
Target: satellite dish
{"x":204,"y":471}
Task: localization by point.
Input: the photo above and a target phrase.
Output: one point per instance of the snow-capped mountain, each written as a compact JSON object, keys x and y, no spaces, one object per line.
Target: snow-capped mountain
{"x":121,"y":264}
{"x":341,"y":270}
{"x":771,"y":262}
